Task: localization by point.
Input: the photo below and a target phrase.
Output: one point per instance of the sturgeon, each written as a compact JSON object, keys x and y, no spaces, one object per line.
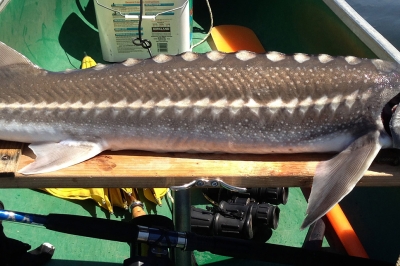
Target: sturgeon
{"x":213,"y":102}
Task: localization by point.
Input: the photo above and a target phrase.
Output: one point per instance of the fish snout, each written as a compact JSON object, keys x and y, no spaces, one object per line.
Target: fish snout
{"x":394,"y":126}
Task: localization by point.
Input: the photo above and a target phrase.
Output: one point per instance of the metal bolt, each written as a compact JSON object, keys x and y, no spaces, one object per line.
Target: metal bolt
{"x":214,"y":183}
{"x":200,"y":183}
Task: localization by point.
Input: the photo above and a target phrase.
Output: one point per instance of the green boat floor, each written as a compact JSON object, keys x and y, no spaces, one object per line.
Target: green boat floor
{"x":70,"y":250}
{"x":373,"y":218}
{"x":77,"y":250}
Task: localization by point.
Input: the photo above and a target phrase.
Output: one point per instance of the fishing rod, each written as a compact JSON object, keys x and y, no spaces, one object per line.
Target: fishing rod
{"x":130,"y":232}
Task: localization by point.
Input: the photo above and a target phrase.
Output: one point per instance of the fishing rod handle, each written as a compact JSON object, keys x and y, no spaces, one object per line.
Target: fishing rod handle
{"x":21,"y":217}
{"x":163,"y":238}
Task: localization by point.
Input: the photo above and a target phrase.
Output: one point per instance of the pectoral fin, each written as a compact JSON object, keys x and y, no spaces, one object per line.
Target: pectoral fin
{"x":335,"y":178}
{"x":55,"y":156}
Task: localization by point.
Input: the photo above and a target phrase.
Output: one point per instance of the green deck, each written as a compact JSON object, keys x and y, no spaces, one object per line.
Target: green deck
{"x":54,"y":34}
{"x":76,"y":250}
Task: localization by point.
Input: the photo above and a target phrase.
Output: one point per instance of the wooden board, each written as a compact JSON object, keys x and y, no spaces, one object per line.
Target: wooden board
{"x":9,"y":157}
{"x":147,"y":169}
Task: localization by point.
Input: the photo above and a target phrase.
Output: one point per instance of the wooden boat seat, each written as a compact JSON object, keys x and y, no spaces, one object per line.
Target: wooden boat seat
{"x":146,"y":169}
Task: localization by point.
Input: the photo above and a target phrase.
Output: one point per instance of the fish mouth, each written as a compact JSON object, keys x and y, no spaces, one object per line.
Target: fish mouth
{"x":387,"y":112}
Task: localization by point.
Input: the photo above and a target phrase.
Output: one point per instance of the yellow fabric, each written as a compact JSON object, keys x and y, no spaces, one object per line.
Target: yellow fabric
{"x":155,"y":194}
{"x":88,"y":62}
{"x":105,"y":197}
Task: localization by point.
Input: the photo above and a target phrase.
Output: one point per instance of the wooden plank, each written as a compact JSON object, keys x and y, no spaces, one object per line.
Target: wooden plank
{"x":147,"y":169}
{"x":9,"y":156}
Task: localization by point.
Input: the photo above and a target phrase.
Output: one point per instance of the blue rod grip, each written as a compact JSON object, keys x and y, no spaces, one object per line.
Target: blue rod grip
{"x":21,"y":217}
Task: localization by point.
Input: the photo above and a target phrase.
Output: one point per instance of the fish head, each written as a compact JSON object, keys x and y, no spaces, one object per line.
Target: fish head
{"x":395,"y":127}
{"x":392,"y":109}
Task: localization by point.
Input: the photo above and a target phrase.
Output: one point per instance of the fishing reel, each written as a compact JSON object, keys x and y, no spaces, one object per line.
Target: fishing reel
{"x":272,"y":195}
{"x":239,"y":217}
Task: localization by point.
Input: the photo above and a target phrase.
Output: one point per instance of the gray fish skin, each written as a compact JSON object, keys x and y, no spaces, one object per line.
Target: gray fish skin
{"x":214,"y":102}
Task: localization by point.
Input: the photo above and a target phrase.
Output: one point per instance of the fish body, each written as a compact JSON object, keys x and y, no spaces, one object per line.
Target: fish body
{"x":214,"y":102}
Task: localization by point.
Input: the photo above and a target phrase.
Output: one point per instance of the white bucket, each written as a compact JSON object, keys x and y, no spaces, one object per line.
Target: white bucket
{"x":165,"y":23}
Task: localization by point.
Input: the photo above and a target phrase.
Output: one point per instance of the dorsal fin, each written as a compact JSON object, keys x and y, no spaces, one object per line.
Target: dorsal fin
{"x":9,"y":56}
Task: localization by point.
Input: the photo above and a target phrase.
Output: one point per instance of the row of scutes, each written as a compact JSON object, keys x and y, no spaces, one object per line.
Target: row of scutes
{"x":380,"y":65}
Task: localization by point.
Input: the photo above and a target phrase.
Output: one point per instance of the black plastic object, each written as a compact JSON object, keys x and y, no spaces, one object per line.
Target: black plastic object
{"x":209,"y":223}
{"x":245,"y":249}
{"x":239,"y":218}
{"x":143,"y":254}
{"x":273,"y":195}
{"x":265,"y":213}
{"x":92,"y":227}
{"x":315,"y":236}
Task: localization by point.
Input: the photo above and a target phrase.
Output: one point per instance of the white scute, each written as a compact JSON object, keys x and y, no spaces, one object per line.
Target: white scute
{"x":136,"y":104}
{"x":245,"y":55}
{"x":185,"y":103}
{"x":189,"y":56}
{"x":222,"y":103}
{"x":277,"y":103}
{"x":164,"y":103}
{"x":290,"y":106}
{"x":352,"y":60}
{"x":384,"y":66}
{"x":350,"y":99}
{"x":215,"y":55}
{"x":162,"y":58}
{"x":320,"y":103}
{"x":148,"y":105}
{"x":254,"y":106}
{"x":335,"y":102}
{"x":324,"y":58}
{"x":202,"y":103}
{"x":99,"y":66}
{"x":305,"y":104}
{"x":131,"y":62}
{"x":275,"y":56}
{"x":301,"y":58}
